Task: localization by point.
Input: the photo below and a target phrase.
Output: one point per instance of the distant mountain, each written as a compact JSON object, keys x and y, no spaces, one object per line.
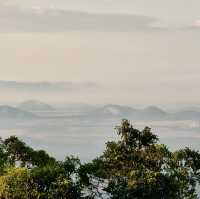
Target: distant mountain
{"x":34,"y":105}
{"x":153,"y":112}
{"x":117,"y":111}
{"x":112,"y":110}
{"x":109,"y":111}
{"x":8,"y":112}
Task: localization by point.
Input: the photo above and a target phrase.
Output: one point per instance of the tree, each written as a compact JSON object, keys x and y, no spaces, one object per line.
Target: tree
{"x":18,"y":152}
{"x":53,"y":181}
{"x":138,"y":167}
{"x":3,"y":157}
{"x":14,"y":184}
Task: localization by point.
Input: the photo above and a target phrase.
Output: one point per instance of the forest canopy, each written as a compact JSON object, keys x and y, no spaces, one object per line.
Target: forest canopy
{"x":136,"y":166}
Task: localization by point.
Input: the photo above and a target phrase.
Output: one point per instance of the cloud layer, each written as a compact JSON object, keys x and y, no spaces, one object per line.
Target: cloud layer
{"x":16,"y":19}
{"x":46,"y":86}
{"x":54,"y":16}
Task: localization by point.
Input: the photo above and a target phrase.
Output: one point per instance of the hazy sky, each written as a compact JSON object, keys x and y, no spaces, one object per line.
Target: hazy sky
{"x":146,"y":50}
{"x":171,"y":11}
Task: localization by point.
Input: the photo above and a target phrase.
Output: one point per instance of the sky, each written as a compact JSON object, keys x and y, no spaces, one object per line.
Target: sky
{"x":131,"y":52}
{"x":173,"y":11}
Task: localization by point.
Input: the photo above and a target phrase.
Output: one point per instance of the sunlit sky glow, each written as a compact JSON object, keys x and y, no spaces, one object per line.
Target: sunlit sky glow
{"x":147,"y":50}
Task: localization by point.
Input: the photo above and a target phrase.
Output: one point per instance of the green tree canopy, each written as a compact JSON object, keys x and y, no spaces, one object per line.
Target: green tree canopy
{"x":138,"y":167}
{"x":18,"y":152}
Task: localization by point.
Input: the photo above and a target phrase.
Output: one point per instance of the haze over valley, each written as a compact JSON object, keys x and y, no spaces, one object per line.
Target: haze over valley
{"x":83,"y":130}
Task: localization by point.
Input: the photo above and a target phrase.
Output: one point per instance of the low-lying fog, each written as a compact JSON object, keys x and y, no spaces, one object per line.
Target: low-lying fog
{"x":62,"y":136}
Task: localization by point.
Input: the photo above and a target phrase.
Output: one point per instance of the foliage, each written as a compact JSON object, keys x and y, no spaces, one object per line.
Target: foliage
{"x":14,"y":183}
{"x":27,"y":173}
{"x":18,"y":152}
{"x":136,"y":166}
{"x":53,"y":181}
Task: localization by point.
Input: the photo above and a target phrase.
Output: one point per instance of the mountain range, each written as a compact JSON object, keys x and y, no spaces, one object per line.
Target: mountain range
{"x":148,"y":113}
{"x":9,"y":112}
{"x":35,"y":105}
{"x":31,"y":109}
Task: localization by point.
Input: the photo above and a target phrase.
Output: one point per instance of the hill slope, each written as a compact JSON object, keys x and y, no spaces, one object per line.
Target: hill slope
{"x":34,"y":105}
{"x":8,"y":112}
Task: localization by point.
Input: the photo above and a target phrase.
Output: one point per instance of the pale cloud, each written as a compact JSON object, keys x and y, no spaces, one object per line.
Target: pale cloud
{"x":38,"y":19}
{"x":46,"y":86}
{"x":175,"y":13}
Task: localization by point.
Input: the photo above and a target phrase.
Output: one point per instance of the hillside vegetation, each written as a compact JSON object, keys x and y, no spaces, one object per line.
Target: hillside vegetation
{"x":136,"y":166}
